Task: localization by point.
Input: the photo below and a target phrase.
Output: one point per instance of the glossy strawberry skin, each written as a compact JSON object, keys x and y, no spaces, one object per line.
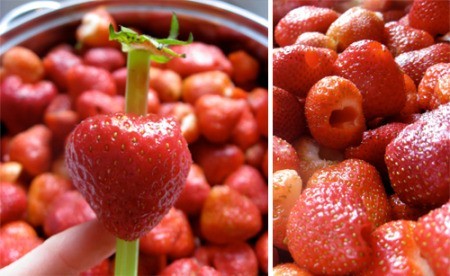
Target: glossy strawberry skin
{"x":430,"y":15}
{"x":327,"y":230}
{"x":297,"y":67}
{"x":418,"y":162}
{"x":371,"y":67}
{"x":401,"y":38}
{"x":432,"y":234}
{"x":131,"y":169}
{"x":428,"y":97}
{"x":303,"y":19}
{"x":415,"y":63}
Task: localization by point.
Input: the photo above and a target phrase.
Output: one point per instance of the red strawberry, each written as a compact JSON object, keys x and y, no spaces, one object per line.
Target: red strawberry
{"x":58,"y":62}
{"x":412,"y":98}
{"x":395,"y":251}
{"x":373,"y":145}
{"x":188,"y":266}
{"x":221,"y":220}
{"x":364,"y":179}
{"x":23,"y":105}
{"x":418,"y":161}
{"x":428,"y":96}
{"x":401,"y":38}
{"x":104,"y":57}
{"x":237,"y":258}
{"x":284,"y":156}
{"x":317,"y":39}
{"x":303,"y":19}
{"x":288,"y":115}
{"x":93,"y":102}
{"x":430,"y":15}
{"x":297,"y":67}
{"x":24,"y":63}
{"x":432,"y":234}
{"x":371,"y":67}
{"x":130,"y":169}
{"x":354,"y":25}
{"x":262,"y":252}
{"x":334,"y":112}
{"x":415,"y":63}
{"x":287,"y":187}
{"x":399,"y":210}
{"x":81,"y":78}
{"x":328,"y":229}
{"x":13,"y":202}
{"x":290,"y":269}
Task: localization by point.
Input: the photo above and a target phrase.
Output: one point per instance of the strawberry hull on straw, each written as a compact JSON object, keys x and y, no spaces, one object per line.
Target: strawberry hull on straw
{"x":130,"y":169}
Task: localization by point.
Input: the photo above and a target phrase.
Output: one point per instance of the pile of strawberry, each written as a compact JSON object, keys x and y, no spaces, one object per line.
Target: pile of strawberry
{"x":361,"y":146}
{"x":212,"y":98}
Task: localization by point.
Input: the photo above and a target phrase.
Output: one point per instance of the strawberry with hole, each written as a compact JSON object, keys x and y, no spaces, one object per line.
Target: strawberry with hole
{"x":427,"y":89}
{"x":301,"y":20}
{"x":221,"y":219}
{"x":356,"y":24}
{"x":373,"y":145}
{"x":396,"y":251}
{"x":432,"y":234}
{"x":94,"y":29}
{"x":415,"y":63}
{"x":371,"y":67}
{"x":297,"y":67}
{"x":131,"y":169}
{"x":418,"y":161}
{"x":430,"y":15}
{"x":328,"y":230}
{"x":362,"y":177}
{"x":287,"y":187}
{"x":289,"y":121}
{"x":334,"y":112}
{"x":23,"y":105}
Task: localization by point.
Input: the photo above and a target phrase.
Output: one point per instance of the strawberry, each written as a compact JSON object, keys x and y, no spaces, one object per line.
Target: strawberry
{"x":430,"y":15}
{"x":220,"y":222}
{"x":246,"y":68}
{"x":428,"y":96}
{"x":313,"y":156}
{"x":237,"y":258}
{"x":412,"y":98}
{"x":200,"y":57}
{"x":248,"y":181}
{"x":399,"y":210}
{"x":23,"y":105}
{"x":103,"y":268}
{"x":249,"y":127}
{"x":432,"y":234}
{"x":188,"y":266}
{"x":316,"y":39}
{"x":204,"y":83}
{"x":334,"y":112}
{"x":373,"y":145}
{"x":363,"y":178}
{"x":418,"y":162}
{"x":172,"y":236}
{"x":401,"y":39}
{"x":328,"y":228}
{"x":395,"y":251}
{"x":287,"y":187}
{"x":290,"y":269}
{"x":356,"y":24}
{"x":415,"y":63}
{"x":167,"y":84}
{"x":262,"y":251}
{"x":371,"y":67}
{"x":297,"y":67}
{"x":184,"y":115}
{"x":288,"y":115}
{"x":284,"y":156}
{"x":94,"y":28}
{"x":24,"y":63}
{"x":93,"y":102}
{"x":131,"y":169}
{"x":303,"y":19}
{"x":13,"y":202}
{"x":107,"y":58}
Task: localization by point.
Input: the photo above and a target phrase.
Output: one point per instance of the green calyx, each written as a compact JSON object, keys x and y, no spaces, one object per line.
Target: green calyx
{"x":158,"y":47}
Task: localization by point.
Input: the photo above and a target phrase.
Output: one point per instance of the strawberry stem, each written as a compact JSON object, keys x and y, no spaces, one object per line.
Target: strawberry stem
{"x":138,"y":69}
{"x":126,"y":257}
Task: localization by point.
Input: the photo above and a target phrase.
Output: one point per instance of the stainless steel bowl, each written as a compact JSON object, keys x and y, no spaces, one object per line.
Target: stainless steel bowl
{"x":214,"y":22}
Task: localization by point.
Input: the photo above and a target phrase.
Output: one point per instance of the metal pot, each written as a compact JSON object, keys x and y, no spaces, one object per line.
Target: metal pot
{"x":214,"y":22}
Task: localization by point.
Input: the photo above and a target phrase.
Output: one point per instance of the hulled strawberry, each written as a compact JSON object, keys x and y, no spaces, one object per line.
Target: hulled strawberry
{"x":129,"y":168}
{"x":418,"y":161}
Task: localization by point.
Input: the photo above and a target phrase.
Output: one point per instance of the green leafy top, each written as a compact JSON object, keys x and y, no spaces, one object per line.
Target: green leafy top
{"x":158,"y":47}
